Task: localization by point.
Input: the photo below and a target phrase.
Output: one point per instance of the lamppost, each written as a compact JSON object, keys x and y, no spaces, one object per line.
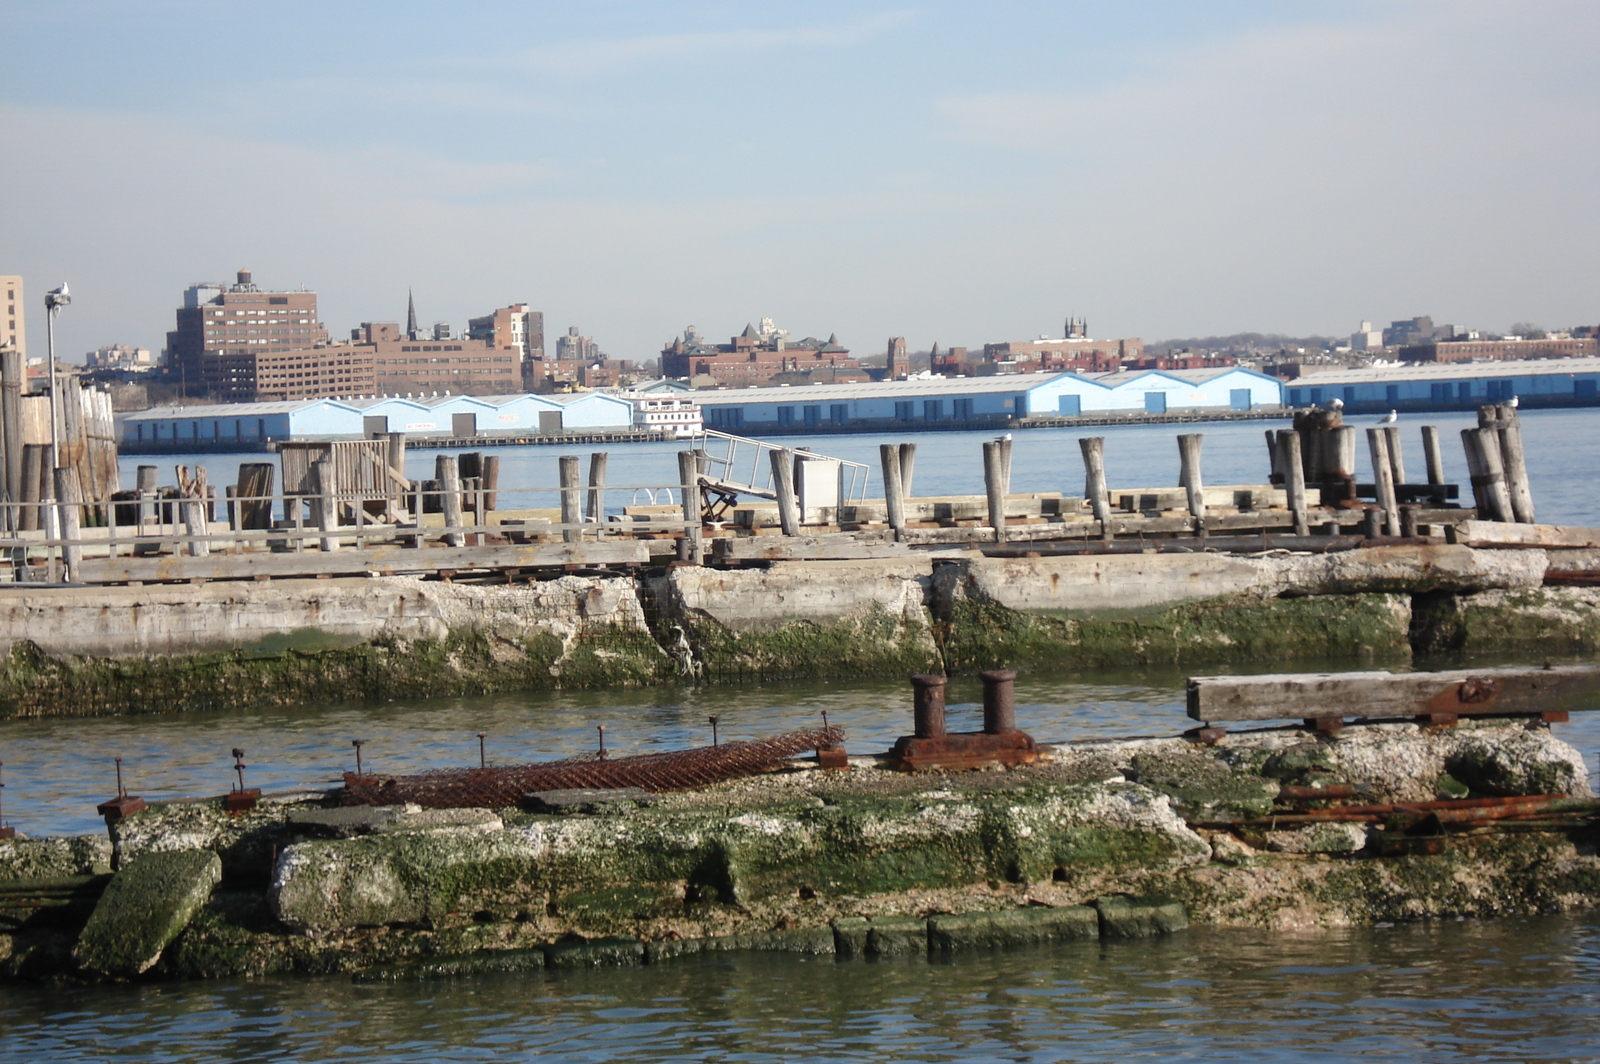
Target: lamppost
{"x":54,"y":300}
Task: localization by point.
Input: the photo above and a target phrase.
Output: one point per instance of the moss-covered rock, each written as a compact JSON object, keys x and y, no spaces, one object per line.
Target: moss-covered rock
{"x":51,"y":858}
{"x":144,"y":907}
{"x":1546,"y":621}
{"x":1011,"y":927}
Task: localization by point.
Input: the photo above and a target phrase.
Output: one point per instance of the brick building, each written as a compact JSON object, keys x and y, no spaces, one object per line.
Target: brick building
{"x":220,"y":328}
{"x":1498,"y":350}
{"x":757,"y":357}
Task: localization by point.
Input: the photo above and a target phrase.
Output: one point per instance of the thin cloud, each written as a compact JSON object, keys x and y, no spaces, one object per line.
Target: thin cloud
{"x":608,"y":56}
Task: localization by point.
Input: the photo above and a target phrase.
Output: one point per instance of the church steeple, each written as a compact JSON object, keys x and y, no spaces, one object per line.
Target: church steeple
{"x":411,"y":315}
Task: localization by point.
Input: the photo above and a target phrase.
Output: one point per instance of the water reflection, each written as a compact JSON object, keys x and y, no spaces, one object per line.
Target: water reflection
{"x":1512,"y":990}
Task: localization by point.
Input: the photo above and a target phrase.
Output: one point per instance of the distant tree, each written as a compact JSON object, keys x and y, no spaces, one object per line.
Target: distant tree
{"x":1528,"y":330}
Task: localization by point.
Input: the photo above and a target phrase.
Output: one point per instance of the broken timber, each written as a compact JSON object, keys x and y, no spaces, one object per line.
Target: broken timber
{"x":391,"y":559}
{"x":1439,"y":697}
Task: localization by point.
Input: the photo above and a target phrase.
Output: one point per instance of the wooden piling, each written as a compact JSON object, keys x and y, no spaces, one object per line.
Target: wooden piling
{"x":1503,"y":419}
{"x":908,"y":465}
{"x":196,"y":504}
{"x":693,"y":515}
{"x":1383,"y":478}
{"x":491,"y":482}
{"x":1494,"y":474}
{"x":1189,"y":477}
{"x":69,"y":496}
{"x":994,"y":488}
{"x":1290,"y":462}
{"x":571,"y":504}
{"x":893,"y":487}
{"x":595,"y":507}
{"x":1094,"y":481}
{"x":1433,"y":456}
{"x":783,"y":484}
{"x":325,"y":506}
{"x":12,"y":373}
{"x":1397,"y":462}
{"x":146,"y":482}
{"x":448,"y":472}
{"x":33,"y":468}
{"x":1274,"y":475}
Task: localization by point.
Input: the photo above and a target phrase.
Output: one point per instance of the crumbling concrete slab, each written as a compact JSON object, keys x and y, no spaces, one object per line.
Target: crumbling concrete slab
{"x":145,"y":906}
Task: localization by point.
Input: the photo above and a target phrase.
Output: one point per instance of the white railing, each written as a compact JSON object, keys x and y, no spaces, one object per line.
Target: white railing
{"x":738,"y":461}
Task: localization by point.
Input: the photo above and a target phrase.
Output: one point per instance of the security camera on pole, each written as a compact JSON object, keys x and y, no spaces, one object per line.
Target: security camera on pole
{"x":54,"y":300}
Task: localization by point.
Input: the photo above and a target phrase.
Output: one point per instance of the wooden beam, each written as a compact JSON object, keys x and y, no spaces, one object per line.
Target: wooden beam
{"x":838,"y":546}
{"x":1370,"y":695}
{"x":371,"y":559}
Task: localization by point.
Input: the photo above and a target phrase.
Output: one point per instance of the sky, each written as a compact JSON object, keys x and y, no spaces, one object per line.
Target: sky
{"x":947,"y":172}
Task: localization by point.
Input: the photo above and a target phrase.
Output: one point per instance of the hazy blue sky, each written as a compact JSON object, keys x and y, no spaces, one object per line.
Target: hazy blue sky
{"x":943,"y":171}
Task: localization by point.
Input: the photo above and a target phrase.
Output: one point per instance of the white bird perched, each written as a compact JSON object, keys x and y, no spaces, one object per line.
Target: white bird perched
{"x":1513,"y":403}
{"x":1337,"y":404}
{"x":1390,"y":418}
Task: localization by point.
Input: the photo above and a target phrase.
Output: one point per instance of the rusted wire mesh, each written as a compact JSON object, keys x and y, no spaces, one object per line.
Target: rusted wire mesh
{"x":497,"y":787}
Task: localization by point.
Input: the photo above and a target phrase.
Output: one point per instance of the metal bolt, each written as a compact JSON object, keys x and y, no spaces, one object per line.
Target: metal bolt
{"x":483,"y":757}
{"x":999,"y":701}
{"x":238,"y":765}
{"x":358,"y":744}
{"x":122,"y":792}
{"x":602,"y":752}
{"x":927,"y":705}
{"x":713,"y":719}
{"x":824,"y":722}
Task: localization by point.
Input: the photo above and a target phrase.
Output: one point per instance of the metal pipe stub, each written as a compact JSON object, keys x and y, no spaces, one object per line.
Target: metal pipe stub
{"x":927,"y":705}
{"x":999,"y":701}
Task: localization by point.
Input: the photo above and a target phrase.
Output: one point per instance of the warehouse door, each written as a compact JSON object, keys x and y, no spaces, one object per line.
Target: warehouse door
{"x":1155,"y":402}
{"x":1069,"y":405}
{"x":1239,"y":399}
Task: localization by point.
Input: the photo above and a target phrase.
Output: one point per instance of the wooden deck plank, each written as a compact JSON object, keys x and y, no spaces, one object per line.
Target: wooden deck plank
{"x":1306,"y":696}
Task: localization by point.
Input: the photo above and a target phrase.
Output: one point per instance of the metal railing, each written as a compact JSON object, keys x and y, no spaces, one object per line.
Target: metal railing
{"x":741,"y":462}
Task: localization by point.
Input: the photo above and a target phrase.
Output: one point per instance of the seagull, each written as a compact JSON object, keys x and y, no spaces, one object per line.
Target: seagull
{"x":1337,"y":404}
{"x":1513,"y":403}
{"x":1390,"y":418}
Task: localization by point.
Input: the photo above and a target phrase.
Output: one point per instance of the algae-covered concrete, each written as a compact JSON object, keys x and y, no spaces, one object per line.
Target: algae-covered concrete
{"x":1106,"y":839}
{"x":224,"y":645}
{"x":145,"y":906}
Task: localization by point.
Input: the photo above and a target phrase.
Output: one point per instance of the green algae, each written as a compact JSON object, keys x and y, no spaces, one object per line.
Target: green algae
{"x":980,"y":634}
{"x":144,"y":908}
{"x":869,"y":642}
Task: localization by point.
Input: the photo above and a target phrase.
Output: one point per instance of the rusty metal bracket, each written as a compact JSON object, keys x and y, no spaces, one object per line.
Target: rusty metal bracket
{"x":1475,"y":694}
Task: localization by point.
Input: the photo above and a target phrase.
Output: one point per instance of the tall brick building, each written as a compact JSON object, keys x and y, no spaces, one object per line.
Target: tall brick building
{"x":221,"y":328}
{"x":763,"y":356}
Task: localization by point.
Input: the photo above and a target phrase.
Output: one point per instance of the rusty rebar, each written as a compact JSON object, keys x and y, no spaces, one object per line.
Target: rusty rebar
{"x":497,"y":788}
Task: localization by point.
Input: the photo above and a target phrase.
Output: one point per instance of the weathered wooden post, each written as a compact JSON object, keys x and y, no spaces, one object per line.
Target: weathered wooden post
{"x":12,"y":374}
{"x":1275,"y":474}
{"x":1433,"y":456}
{"x":324,"y":503}
{"x":33,"y":468}
{"x":1503,"y":419}
{"x":1094,"y":482}
{"x":448,"y":471}
{"x":1480,"y":491}
{"x":694,"y":531}
{"x":195,"y":523}
{"x":783,"y":485}
{"x":1294,"y":473}
{"x":69,"y":494}
{"x":1494,"y":474}
{"x":1383,"y":478}
{"x":145,"y":484}
{"x":571,"y":510}
{"x":994,"y":488}
{"x":893,"y":489}
{"x":1397,"y":461}
{"x":595,"y":505}
{"x":491,"y":482}
{"x":908,"y":465}
{"x":1189,"y":477}
{"x":254,"y":497}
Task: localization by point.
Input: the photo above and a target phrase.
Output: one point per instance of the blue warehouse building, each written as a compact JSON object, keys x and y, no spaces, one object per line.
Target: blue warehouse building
{"x":1453,"y":385}
{"x":252,"y":426}
{"x":986,"y":400}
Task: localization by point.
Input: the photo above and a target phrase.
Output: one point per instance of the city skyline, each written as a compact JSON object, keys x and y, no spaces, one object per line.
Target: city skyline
{"x":917,"y":170}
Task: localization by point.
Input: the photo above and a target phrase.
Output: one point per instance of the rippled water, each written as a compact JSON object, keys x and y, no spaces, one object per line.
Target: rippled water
{"x":1508,"y":990}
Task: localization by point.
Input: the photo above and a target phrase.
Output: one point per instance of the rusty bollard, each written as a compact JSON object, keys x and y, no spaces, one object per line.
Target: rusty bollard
{"x":927,"y":705}
{"x":999,"y":701}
